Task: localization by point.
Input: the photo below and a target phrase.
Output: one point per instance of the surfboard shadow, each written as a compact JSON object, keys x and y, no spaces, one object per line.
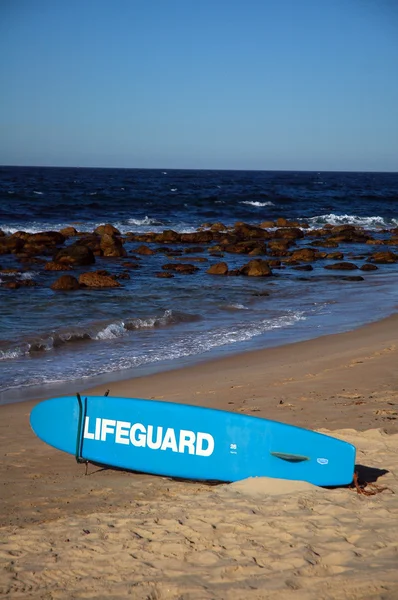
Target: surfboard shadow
{"x":369,"y":474}
{"x":102,"y":467}
{"x":364,"y":475}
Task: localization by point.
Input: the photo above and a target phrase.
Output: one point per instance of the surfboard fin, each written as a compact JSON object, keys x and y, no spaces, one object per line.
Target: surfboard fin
{"x":293,"y":458}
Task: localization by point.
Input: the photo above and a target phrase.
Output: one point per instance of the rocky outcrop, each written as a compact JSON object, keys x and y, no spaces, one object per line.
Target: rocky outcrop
{"x":69,"y":232}
{"x":198,"y":237}
{"x":11,"y":244}
{"x":289,"y":233}
{"x":305,"y":254}
{"x":243,"y":231}
{"x":54,"y":266}
{"x":220,"y":268}
{"x":107,"y":230}
{"x":383,"y":258}
{"x":144,"y":250}
{"x":256,"y":268}
{"x":97,"y":279}
{"x":75,"y":255}
{"x":111,"y":246}
{"x":46,"y":238}
{"x":246,"y":247}
{"x":168,"y":236}
{"x":184,"y":268}
{"x":65,"y":283}
{"x":342,"y":266}
{"x":164,"y":275}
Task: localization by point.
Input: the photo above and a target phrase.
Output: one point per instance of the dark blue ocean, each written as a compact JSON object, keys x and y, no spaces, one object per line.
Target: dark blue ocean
{"x":67,"y":341}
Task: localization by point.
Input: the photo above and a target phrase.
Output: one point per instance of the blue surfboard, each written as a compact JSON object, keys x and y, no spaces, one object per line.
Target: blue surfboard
{"x":190,"y":442}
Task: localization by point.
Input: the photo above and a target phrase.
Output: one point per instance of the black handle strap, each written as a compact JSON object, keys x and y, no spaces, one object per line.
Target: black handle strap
{"x":80,"y":425}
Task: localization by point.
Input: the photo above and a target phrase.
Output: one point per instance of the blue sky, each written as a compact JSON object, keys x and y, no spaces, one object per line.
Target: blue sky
{"x":239,"y":84}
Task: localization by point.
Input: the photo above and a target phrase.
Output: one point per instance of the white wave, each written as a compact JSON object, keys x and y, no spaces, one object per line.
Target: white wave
{"x":9,"y":354}
{"x":235,"y":306}
{"x":173,"y":189}
{"x":194,"y":345}
{"x":27,"y":275}
{"x":257,"y":203}
{"x":375,"y":222}
{"x":38,"y":193}
{"x":14,"y":352}
{"x":183,"y":345}
{"x":112,"y":331}
{"x":146,"y":221}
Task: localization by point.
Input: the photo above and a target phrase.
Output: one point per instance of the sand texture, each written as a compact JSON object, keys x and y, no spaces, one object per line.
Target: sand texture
{"x":116,"y":534}
{"x":252,"y":539}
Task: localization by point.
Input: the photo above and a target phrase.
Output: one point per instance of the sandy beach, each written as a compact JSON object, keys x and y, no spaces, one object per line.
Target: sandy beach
{"x":114,"y":534}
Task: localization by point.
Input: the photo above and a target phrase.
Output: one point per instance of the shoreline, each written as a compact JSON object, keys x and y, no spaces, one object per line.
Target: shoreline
{"x":284,"y":382}
{"x":153,"y":537}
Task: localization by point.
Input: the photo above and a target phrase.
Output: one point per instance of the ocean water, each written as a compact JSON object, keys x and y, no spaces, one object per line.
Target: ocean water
{"x":67,"y":341}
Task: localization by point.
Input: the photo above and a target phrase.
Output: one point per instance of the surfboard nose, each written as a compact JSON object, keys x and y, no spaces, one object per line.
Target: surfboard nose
{"x":55,"y":422}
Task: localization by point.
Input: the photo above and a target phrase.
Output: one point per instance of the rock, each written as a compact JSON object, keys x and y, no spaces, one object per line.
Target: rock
{"x":198,"y":237}
{"x":353,"y":278}
{"x":246,"y":247}
{"x":220,"y":268}
{"x":11,"y":245}
{"x":75,"y":255}
{"x":11,"y":285}
{"x":250,"y":232}
{"x":65,"y":283}
{"x":303,"y":268}
{"x":111,"y":246}
{"x":107,"y":230}
{"x":256,"y":268}
{"x":382,"y":258}
{"x":193,"y":250}
{"x":54,"y":238}
{"x":68,"y":232}
{"x":368,"y":267}
{"x":289,"y":233}
{"x":218,"y":227}
{"x":165,"y":275}
{"x":377,"y":242}
{"x":282,"y":222}
{"x":33,"y":249}
{"x":91,"y":240}
{"x":54,"y":266}
{"x":279,"y":247}
{"x":168,"y":236}
{"x":145,"y":250}
{"x":335,"y":256}
{"x":186,"y":269}
{"x":324,"y":244}
{"x":95,"y":279}
{"x":305,"y":254}
{"x":267,"y":224}
{"x":342,"y":266}
{"x":348,"y":233}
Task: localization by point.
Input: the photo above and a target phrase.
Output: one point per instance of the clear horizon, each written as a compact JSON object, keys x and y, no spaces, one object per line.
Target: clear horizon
{"x":26,"y":166}
{"x":262,"y":85}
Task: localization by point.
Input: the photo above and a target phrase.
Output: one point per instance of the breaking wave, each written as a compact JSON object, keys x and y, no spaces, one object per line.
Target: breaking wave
{"x":367,"y":222}
{"x":257,"y":203}
{"x":99,"y":332}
